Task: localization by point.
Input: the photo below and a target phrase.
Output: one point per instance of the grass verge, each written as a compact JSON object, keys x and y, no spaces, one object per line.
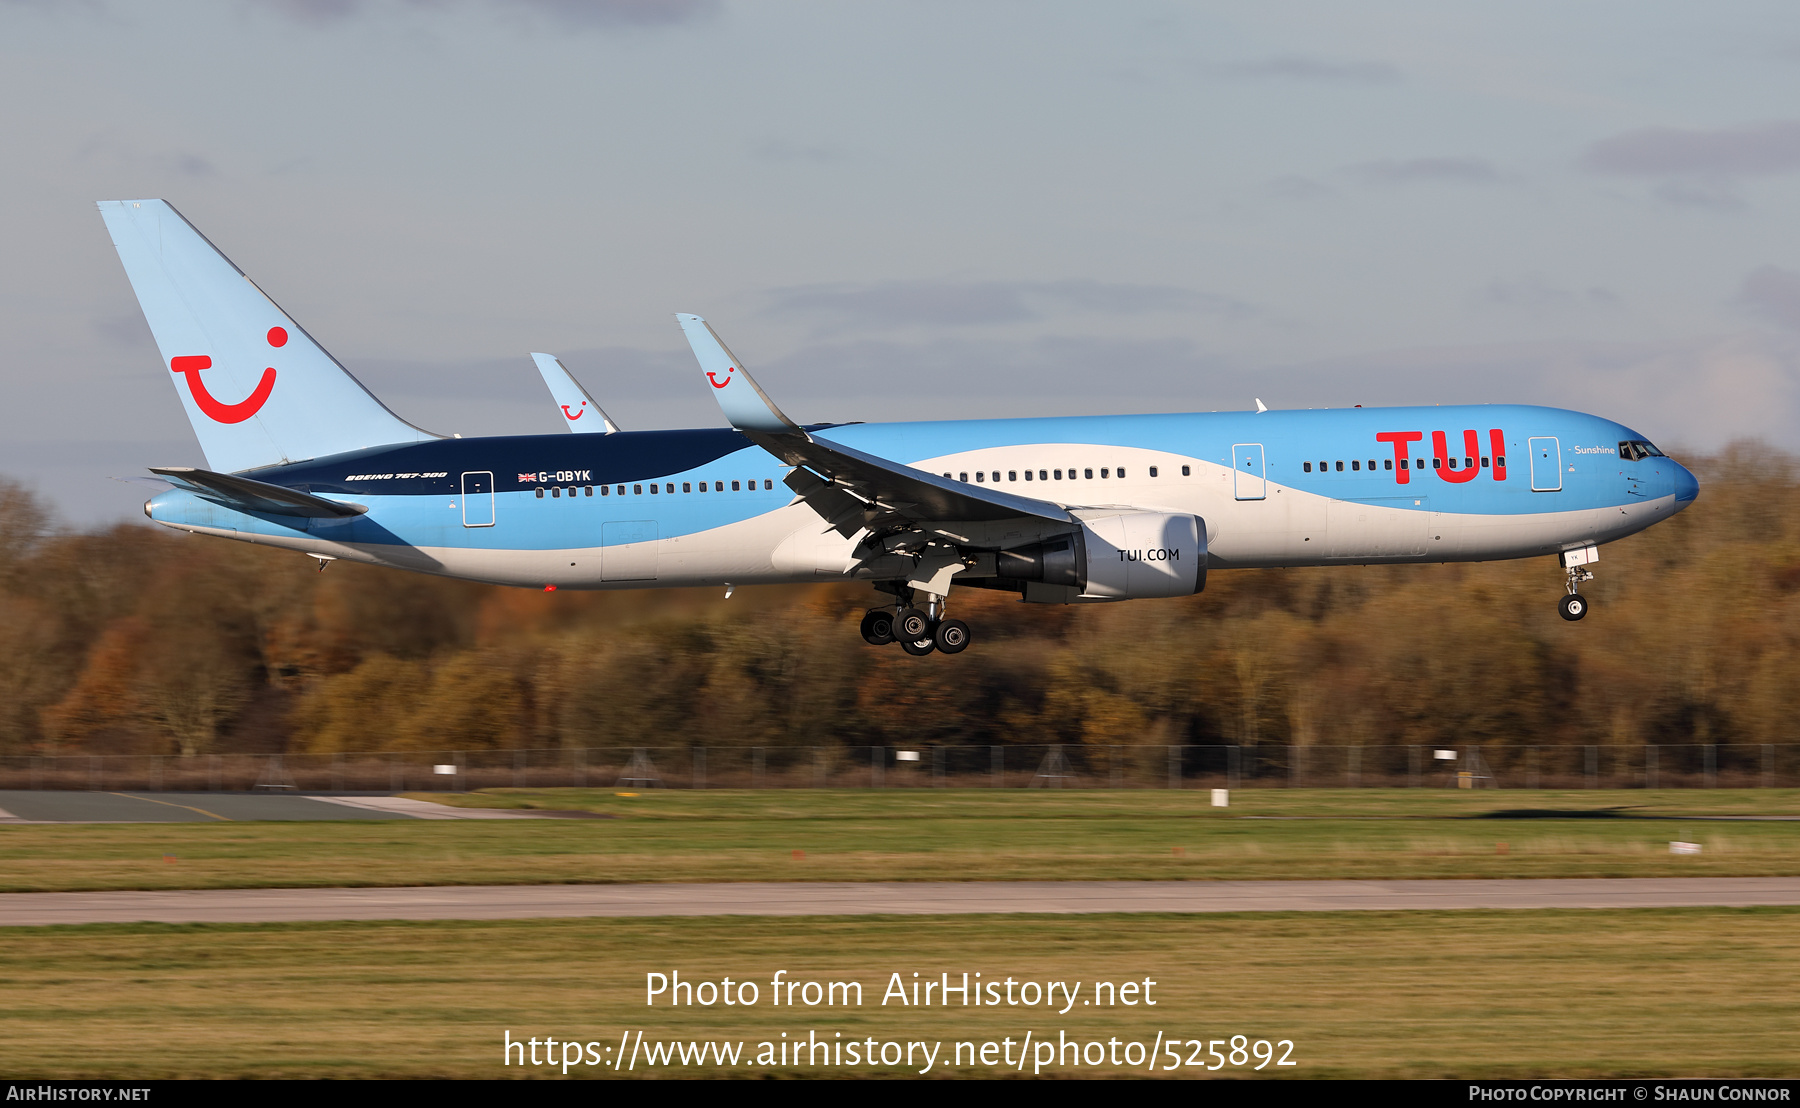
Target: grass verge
{"x":933,"y":836}
{"x":1689,"y":992}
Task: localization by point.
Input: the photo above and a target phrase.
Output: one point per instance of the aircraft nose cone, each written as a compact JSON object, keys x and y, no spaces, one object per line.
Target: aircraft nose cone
{"x":1687,"y":487}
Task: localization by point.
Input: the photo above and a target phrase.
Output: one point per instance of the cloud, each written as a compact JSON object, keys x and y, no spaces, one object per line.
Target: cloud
{"x":574,"y":14}
{"x":1671,"y":151}
{"x":1536,"y":294}
{"x":1455,"y":171}
{"x":781,"y":150}
{"x":1296,"y":67}
{"x":888,"y":304}
{"x":1774,"y":294}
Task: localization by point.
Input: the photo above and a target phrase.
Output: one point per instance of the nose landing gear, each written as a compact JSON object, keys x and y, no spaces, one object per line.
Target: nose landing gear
{"x":1575,"y":562}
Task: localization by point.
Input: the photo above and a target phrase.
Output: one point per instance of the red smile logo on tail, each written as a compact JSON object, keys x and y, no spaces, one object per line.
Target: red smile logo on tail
{"x":190,"y":366}
{"x":718,"y":384}
{"x":580,"y":410}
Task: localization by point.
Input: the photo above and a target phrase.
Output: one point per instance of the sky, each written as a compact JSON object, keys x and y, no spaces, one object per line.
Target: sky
{"x":914,"y":210}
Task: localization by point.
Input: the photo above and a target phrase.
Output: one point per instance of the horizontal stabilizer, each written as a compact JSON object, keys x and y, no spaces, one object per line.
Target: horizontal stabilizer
{"x":581,"y":414}
{"x":255,"y":496}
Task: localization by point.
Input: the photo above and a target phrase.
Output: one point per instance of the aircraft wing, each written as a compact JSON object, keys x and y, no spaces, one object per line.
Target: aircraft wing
{"x":571,"y":399}
{"x":851,"y":489}
{"x":254,"y":496}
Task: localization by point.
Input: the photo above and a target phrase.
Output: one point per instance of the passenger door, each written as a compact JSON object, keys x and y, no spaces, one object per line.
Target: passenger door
{"x":1248,"y":480}
{"x":1546,"y":465}
{"x":478,"y":499}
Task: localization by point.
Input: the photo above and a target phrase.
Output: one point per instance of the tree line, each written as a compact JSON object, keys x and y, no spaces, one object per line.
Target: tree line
{"x":134,"y":639}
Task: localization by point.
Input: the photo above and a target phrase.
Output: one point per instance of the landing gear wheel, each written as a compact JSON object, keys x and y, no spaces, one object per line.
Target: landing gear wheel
{"x":1573,"y":606}
{"x":911,"y":625}
{"x":918,"y":648}
{"x":878,"y":627}
{"x":952,"y":636}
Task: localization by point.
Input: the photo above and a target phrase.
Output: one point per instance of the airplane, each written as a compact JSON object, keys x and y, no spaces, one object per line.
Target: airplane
{"x":1065,"y":510}
{"x":573,"y":401}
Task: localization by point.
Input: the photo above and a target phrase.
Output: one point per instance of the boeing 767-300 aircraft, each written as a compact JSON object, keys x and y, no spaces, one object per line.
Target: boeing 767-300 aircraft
{"x":1058,"y":510}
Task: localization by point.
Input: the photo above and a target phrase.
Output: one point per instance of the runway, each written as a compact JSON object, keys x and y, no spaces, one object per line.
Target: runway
{"x":492,"y":902}
{"x":100,"y":806}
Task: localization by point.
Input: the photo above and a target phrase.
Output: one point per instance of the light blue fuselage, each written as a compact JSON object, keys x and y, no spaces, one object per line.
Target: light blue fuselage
{"x":1279,"y":488}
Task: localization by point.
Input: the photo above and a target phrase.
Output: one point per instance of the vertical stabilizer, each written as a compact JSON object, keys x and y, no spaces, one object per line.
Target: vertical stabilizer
{"x":256,"y":387}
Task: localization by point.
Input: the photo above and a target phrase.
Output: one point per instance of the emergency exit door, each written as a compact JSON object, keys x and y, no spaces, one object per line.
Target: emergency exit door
{"x":1546,"y":465}
{"x":1248,"y":482}
{"x":478,"y":499}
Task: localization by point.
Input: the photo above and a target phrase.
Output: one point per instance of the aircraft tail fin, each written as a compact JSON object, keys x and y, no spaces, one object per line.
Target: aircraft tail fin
{"x":256,"y":387}
{"x":744,"y":402}
{"x":571,"y":399}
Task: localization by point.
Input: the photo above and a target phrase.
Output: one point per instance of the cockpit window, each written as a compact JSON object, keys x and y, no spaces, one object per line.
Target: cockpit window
{"x":1633,"y":450}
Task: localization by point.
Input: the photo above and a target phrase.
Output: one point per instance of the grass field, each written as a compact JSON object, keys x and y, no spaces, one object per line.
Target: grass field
{"x":971,"y":834}
{"x":1692,"y":992}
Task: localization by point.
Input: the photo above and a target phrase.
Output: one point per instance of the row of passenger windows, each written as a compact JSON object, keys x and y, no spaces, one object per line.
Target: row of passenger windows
{"x":1417,"y":463}
{"x":986,"y":475}
{"x":668,"y":487}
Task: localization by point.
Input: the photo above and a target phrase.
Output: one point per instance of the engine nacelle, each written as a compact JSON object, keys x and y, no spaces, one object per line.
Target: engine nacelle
{"x":1139,"y":555}
{"x":1119,"y":556}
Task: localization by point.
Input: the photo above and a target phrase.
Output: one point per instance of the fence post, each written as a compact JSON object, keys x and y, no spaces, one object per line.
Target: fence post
{"x":1711,"y":751}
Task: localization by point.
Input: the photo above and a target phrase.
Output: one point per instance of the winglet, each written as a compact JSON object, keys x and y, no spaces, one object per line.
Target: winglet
{"x":573,"y":400}
{"x":744,"y":402}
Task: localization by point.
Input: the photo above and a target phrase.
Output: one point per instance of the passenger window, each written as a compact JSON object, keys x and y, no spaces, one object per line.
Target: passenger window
{"x":590,"y":490}
{"x":1468,"y":463}
{"x":1088,"y":473}
{"x":1340,"y":467}
{"x":1185,"y":472}
{"x":1306,"y":467}
{"x":1484,"y":463}
{"x":1043,"y":475}
{"x":1452,"y":463}
{"x":1500,"y":461}
{"x":1403,"y":462}
{"x":735,"y":487}
{"x":621,"y":490}
{"x":556,"y":493}
{"x":540,"y":494}
{"x":1388,"y":464}
{"x":768,"y":484}
{"x":604,"y":489}
{"x":963,"y":477}
{"x":1153,"y":471}
{"x":1437,"y":463}
{"x":1323,"y":466}
{"x":653,"y":490}
{"x":1355,"y":465}
{"x":637,"y":490}
{"x":1121,"y":474}
{"x":980,"y":476}
{"x":686,"y":486}
{"x":1104,"y":472}
{"x":670,"y":487}
{"x":1028,"y":475}
{"x":1058,"y":473}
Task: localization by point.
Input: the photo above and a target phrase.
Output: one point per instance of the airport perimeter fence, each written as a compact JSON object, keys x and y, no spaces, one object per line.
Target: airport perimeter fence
{"x":1741,"y":765}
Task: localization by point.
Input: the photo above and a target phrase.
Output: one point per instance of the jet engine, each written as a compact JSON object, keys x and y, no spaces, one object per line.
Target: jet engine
{"x":1117,"y":556}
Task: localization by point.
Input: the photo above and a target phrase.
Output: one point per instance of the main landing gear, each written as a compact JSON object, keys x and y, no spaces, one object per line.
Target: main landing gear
{"x":918,"y":631}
